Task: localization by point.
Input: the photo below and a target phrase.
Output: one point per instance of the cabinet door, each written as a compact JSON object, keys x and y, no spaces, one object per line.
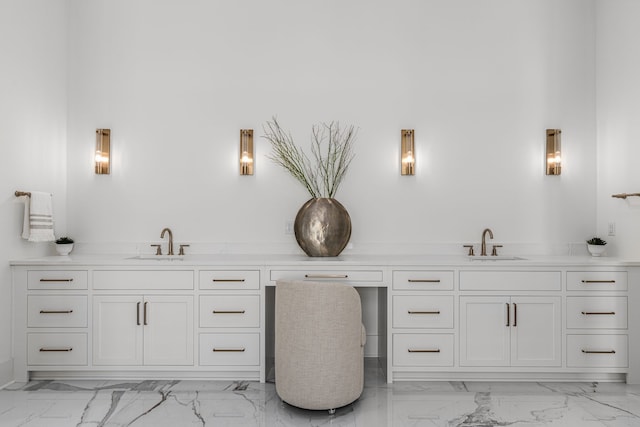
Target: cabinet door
{"x":536,"y":331}
{"x":117,"y":337}
{"x":484,"y":331}
{"x":168,"y":330}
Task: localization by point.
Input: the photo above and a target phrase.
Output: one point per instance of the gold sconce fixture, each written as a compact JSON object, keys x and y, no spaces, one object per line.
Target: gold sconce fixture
{"x":408,"y":154}
{"x":246,"y":151}
{"x":103,"y":151}
{"x":553,"y":152}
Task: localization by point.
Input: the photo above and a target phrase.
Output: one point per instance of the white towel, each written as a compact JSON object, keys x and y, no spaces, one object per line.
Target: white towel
{"x":37,"y":225}
{"x":25,"y":222}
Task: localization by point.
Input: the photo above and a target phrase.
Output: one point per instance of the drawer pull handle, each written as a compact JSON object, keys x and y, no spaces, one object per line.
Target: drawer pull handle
{"x":598,"y":351}
{"x":590,"y":313}
{"x":598,"y":281}
{"x":423,"y":280}
{"x":138,"y":313}
{"x":56,"y":280}
{"x":56,"y":311}
{"x":144,"y":313}
{"x":419,"y":350}
{"x":228,"y":350}
{"x":56,"y":349}
{"x":228,"y":280}
{"x":228,"y":311}
{"x":423,"y":312}
{"x":326,"y":276}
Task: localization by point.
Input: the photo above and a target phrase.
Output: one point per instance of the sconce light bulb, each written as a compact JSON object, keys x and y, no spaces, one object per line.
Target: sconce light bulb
{"x":100,"y":158}
{"x":408,"y":158}
{"x":245,"y":158}
{"x":553,"y":152}
{"x":246,"y":152}
{"x":102,"y":151}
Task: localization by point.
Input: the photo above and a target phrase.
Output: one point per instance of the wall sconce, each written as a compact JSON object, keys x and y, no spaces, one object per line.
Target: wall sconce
{"x":553,"y":152}
{"x":103,"y":151}
{"x":246,"y":151}
{"x":407,"y":150}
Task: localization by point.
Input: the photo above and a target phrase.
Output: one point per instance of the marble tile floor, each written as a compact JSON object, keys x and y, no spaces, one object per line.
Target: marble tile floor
{"x":85,"y":403}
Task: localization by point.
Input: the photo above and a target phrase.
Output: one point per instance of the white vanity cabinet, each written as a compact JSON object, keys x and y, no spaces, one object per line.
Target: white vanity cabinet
{"x":554,"y":319}
{"x":356,"y":276}
{"x":154,"y":330}
{"x":503,"y":325}
{"x":230,"y":337}
{"x":510,"y":331}
{"x":597,"y":319}
{"x":50,"y":319}
{"x":422,"y":321}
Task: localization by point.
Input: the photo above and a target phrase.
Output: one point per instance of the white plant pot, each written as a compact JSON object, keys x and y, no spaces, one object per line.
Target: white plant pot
{"x":596,"y":250}
{"x":64,"y":248}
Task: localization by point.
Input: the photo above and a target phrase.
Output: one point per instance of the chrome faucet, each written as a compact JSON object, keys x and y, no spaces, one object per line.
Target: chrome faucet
{"x":483,"y":249}
{"x":170,"y":252}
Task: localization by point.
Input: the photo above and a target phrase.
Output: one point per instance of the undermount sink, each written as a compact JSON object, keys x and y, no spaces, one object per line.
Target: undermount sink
{"x":159,"y":257}
{"x":495,"y":258}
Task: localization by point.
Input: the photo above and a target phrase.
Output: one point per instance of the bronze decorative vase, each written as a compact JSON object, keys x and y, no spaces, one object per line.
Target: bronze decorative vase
{"x":322,"y":227}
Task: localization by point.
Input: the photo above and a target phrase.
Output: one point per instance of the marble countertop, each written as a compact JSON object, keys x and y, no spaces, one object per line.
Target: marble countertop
{"x":379,"y":260}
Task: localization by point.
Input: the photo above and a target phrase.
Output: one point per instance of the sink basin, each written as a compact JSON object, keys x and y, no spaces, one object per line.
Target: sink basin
{"x":495,"y":258}
{"x":159,"y":257}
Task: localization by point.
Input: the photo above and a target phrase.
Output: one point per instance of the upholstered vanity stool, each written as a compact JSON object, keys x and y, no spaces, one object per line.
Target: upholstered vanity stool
{"x":319,"y":344}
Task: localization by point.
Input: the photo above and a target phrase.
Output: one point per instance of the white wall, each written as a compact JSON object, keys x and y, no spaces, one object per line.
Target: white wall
{"x":33,"y":120}
{"x":618,"y":130}
{"x":478,"y":81}
{"x":618,"y":94}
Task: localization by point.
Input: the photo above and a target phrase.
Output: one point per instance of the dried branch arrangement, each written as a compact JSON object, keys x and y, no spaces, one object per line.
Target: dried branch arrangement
{"x":331,"y":150}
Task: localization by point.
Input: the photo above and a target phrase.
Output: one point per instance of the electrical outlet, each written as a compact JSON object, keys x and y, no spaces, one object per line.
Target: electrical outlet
{"x":612,"y":229}
{"x":288,"y":227}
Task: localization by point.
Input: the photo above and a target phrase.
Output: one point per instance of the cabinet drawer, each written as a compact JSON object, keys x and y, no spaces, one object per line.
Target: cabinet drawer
{"x":230,"y":349}
{"x":57,"y":279}
{"x":230,"y":279}
{"x":596,"y":280}
{"x":422,"y":349}
{"x":423,"y":280}
{"x":143,"y":279}
{"x":328,"y":275}
{"x":57,"y":311}
{"x":56,"y":349}
{"x":510,"y":280}
{"x":230,"y":311}
{"x":597,"y":312}
{"x":422,"y":311}
{"x":594,"y":351}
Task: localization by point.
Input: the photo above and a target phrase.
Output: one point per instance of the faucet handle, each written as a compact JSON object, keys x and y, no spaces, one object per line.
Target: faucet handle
{"x":494,"y":250}
{"x":181,"y":251}
{"x":158,"y":249}
{"x":471,"y":253}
